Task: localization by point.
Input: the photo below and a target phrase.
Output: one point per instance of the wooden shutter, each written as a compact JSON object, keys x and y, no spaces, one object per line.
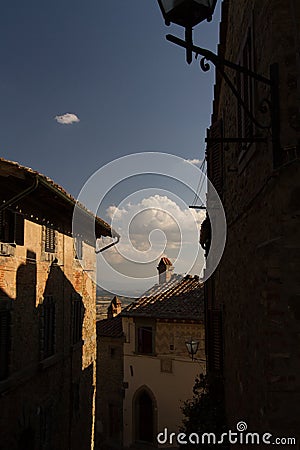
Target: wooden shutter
{"x":19,"y":229}
{"x":78,"y":248}
{"x":215,"y":155}
{"x":50,"y":240}
{"x":7,"y":226}
{"x":48,"y":326}
{"x":215,"y":341}
{"x":77,"y":319}
{"x":4,"y":343}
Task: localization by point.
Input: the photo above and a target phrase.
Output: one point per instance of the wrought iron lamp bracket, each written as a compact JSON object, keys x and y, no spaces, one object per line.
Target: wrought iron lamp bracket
{"x":266,"y":105}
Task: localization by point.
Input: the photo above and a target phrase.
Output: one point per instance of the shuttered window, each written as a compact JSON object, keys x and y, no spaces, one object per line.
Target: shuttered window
{"x":4,"y":343}
{"x":77,"y":319}
{"x":78,"y":248}
{"x":215,"y":341}
{"x":245,"y":87}
{"x":215,"y":156}
{"x":11,"y":227}
{"x":48,"y":327}
{"x":50,"y":240}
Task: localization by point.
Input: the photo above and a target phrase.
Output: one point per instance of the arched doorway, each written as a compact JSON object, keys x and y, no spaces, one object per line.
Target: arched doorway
{"x":144,"y":408}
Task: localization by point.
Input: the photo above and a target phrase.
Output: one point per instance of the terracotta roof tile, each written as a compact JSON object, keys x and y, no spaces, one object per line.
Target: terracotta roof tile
{"x":12,"y":168}
{"x":110,"y":327}
{"x":181,"y":298}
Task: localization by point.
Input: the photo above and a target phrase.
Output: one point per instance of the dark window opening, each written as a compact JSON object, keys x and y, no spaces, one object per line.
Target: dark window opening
{"x":50,"y":240}
{"x":145,"y":341}
{"x":48,"y":326}
{"x":11,"y":227}
{"x":4,"y":343}
{"x":77,"y":319}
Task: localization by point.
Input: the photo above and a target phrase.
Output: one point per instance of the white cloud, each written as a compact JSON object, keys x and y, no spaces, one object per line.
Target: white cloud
{"x":194,"y":161}
{"x":67,"y":119}
{"x":154,"y":226}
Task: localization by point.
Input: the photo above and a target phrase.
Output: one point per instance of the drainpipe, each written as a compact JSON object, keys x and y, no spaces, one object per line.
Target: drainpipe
{"x":19,"y":196}
{"x":108,"y":246}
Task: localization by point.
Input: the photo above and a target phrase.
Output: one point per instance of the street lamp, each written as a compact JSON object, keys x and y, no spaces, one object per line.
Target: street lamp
{"x":189,"y":13}
{"x":192,"y":347}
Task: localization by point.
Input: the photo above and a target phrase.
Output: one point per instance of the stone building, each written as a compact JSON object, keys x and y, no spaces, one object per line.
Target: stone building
{"x":159,"y":374}
{"x":253,"y":298}
{"x":109,"y":387}
{"x":47,"y":316}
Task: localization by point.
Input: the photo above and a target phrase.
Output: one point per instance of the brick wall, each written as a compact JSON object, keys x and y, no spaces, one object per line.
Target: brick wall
{"x":47,"y":402}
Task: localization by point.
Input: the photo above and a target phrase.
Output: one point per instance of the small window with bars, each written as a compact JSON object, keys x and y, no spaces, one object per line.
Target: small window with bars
{"x":77,"y":319}
{"x":5,"y":320}
{"x":50,"y":240}
{"x":11,"y":227}
{"x":48,"y":327}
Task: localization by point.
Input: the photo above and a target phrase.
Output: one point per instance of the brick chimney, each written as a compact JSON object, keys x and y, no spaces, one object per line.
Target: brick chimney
{"x":114,"y":308}
{"x":165,"y":269}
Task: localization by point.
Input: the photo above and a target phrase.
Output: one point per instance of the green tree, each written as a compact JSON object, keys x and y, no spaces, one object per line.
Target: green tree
{"x":205,"y":412}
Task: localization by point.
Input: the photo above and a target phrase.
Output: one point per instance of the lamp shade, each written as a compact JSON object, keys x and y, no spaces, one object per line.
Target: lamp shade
{"x":192,"y":347}
{"x":187,"y":13}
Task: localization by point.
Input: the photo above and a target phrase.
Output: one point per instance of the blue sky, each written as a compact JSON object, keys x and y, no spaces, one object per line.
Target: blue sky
{"x":110,"y":64}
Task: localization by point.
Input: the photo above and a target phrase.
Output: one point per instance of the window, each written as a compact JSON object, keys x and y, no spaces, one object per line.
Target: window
{"x":11,"y":227}
{"x":215,"y":340}
{"x":145,"y":341}
{"x":215,"y":154}
{"x":245,"y":88}
{"x":77,"y":319}
{"x":48,"y":327}
{"x":78,"y":248}
{"x":49,"y":240}
{"x":4,"y":343}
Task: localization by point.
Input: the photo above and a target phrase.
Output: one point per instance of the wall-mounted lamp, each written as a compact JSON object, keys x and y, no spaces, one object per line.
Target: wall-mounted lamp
{"x":189,"y":13}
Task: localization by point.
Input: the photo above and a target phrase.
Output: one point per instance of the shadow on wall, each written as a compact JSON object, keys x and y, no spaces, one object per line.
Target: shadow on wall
{"x":46,"y":398}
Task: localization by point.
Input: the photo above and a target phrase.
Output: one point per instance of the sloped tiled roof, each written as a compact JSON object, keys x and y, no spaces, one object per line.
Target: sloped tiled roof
{"x":110,"y":327}
{"x":18,"y":173}
{"x":181,"y":298}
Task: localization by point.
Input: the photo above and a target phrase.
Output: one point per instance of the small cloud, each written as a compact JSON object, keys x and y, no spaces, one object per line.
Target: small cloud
{"x":194,"y":161}
{"x":67,"y":119}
